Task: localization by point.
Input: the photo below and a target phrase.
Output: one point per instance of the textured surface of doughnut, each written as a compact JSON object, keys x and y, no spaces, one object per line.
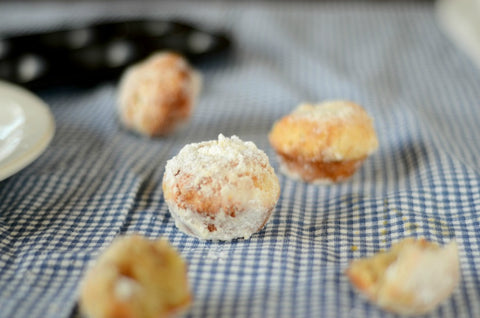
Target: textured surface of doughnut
{"x":158,"y":94}
{"x":411,"y":279}
{"x":136,"y":278}
{"x":221,"y":189}
{"x":324,"y":142}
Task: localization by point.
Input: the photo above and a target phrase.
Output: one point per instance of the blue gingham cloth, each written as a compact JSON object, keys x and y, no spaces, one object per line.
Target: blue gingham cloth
{"x":96,"y":181}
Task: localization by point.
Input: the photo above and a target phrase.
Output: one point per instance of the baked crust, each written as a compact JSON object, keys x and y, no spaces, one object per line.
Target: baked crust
{"x":318,"y":171}
{"x":136,"y":278}
{"x":220,"y":189}
{"x":158,"y":94}
{"x":412,"y":278}
{"x":324,"y":142}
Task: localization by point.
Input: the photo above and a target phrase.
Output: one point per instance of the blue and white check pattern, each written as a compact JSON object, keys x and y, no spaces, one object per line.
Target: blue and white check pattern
{"x":97,"y":181}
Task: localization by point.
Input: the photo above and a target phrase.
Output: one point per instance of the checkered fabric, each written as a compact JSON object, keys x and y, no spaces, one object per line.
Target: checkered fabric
{"x":97,"y":181}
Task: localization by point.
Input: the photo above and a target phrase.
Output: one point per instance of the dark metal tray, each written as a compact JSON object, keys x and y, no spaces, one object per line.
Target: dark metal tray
{"x":100,"y":51}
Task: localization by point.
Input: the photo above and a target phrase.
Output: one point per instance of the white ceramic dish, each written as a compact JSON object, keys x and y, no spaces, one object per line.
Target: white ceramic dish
{"x":26,"y":128}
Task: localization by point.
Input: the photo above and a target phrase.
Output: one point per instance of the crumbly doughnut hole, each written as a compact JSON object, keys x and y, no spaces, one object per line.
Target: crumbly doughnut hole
{"x":220,"y":189}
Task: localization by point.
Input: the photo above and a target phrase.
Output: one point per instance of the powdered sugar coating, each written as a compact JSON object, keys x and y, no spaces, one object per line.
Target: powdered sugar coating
{"x":158,"y":94}
{"x":328,"y":131}
{"x":220,"y":189}
{"x":428,"y":276}
{"x":326,"y":111}
{"x":412,"y":278}
{"x":242,"y":225}
{"x":135,"y":277}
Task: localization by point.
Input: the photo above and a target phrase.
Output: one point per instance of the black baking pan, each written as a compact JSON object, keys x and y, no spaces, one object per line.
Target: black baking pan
{"x":100,"y":51}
